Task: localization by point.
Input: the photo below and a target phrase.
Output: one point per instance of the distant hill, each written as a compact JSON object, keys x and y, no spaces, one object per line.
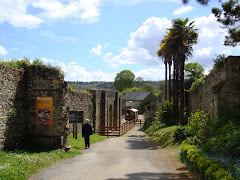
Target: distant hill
{"x":109,"y":85}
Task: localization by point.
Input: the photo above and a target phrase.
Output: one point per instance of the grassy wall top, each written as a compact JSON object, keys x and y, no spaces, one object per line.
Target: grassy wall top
{"x":25,"y":62}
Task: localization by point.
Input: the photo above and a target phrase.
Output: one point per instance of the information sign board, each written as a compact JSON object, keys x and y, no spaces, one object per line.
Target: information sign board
{"x":44,"y":110}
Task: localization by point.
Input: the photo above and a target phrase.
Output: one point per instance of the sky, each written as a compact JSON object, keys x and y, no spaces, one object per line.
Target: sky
{"x":93,"y":40}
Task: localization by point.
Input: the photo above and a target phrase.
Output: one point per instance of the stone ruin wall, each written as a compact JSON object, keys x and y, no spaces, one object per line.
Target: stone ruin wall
{"x":98,"y":100}
{"x":19,"y":90}
{"x":112,"y":108}
{"x":152,"y":108}
{"x":107,"y":108}
{"x":44,"y":82}
{"x":80,"y":102}
{"x":12,"y":98}
{"x":220,"y":86}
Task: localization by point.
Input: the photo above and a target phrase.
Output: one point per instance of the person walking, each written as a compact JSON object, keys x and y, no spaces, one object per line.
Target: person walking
{"x":86,"y":132}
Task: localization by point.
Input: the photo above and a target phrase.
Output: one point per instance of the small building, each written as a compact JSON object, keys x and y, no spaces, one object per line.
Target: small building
{"x":137,"y":100}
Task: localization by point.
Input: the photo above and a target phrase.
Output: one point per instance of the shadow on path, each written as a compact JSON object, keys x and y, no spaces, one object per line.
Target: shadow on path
{"x":137,"y":140}
{"x":140,"y":143}
{"x":154,"y":176}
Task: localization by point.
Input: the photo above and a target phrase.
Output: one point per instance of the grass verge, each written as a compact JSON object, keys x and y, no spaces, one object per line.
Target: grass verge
{"x":22,"y":163}
{"x":164,"y":137}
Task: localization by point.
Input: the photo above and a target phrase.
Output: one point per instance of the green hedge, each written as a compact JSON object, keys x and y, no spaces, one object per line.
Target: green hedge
{"x":206,"y":167}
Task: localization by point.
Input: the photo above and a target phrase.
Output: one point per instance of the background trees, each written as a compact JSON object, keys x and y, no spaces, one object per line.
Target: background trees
{"x":124,"y":80}
{"x":193,"y":71}
{"x":139,"y":82}
{"x":148,"y":87}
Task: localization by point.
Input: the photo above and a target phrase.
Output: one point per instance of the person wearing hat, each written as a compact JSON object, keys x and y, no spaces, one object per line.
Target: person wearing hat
{"x":86,"y":132}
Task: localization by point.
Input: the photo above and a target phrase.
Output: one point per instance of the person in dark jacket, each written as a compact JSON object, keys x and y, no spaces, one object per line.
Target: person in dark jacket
{"x":86,"y":132}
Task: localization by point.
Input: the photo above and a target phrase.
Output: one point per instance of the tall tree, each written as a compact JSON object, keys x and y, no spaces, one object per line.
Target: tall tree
{"x":165,"y":53}
{"x":182,"y":36}
{"x":203,"y":2}
{"x":194,"y":71}
{"x":124,"y":80}
{"x":229,"y":17}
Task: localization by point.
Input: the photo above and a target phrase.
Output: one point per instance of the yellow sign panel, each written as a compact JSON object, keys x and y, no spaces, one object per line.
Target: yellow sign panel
{"x":44,"y":110}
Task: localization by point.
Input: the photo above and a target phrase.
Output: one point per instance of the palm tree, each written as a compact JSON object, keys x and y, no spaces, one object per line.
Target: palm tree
{"x":168,"y":51}
{"x":183,"y":36}
{"x":164,"y":53}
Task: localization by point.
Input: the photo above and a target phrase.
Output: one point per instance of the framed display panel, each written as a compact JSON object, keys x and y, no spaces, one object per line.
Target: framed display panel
{"x":44,"y":110}
{"x":73,"y":115}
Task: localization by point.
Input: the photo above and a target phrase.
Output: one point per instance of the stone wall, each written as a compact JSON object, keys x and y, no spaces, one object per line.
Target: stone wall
{"x":19,"y":92}
{"x":80,"y":102}
{"x":107,"y":108}
{"x":220,"y":86}
{"x":45,"y":82}
{"x":12,"y":107}
{"x":152,"y":108}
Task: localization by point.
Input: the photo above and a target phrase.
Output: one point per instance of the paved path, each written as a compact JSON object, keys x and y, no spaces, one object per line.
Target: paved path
{"x":131,"y":157}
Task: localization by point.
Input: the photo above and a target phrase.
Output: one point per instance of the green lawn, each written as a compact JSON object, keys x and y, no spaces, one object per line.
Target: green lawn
{"x":23,"y":163}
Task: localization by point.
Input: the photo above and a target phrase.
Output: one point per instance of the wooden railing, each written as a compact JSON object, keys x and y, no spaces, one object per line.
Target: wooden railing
{"x":116,"y":131}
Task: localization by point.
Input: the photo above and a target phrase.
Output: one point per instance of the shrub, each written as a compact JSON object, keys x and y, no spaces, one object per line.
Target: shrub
{"x":155,"y":125}
{"x":199,"y":127}
{"x":165,"y":113}
{"x":206,"y":167}
{"x":210,"y":172}
{"x":223,"y":174}
{"x":203,"y":164}
{"x":181,"y":133}
{"x":16,"y":63}
{"x":25,"y":62}
{"x":233,"y":143}
{"x":195,"y":85}
{"x":219,"y":61}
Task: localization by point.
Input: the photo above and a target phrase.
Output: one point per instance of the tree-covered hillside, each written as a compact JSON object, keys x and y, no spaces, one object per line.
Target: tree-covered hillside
{"x":109,"y":85}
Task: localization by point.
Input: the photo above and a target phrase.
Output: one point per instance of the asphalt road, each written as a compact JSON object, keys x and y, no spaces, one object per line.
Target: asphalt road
{"x":129,"y":157}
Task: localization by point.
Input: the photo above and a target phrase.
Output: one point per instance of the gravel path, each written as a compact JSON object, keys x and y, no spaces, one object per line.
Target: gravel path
{"x":131,"y":156}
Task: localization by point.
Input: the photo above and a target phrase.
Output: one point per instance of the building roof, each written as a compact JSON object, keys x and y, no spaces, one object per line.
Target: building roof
{"x":134,"y":110}
{"x":136,"y":96}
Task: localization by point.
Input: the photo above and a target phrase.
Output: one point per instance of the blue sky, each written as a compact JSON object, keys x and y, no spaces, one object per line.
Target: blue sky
{"x":92,"y":40}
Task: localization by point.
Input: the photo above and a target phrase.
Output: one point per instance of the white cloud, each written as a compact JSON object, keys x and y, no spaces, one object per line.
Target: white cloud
{"x":97,"y":50}
{"x":204,"y":51}
{"x":15,"y":12}
{"x":153,"y":74}
{"x":76,"y":10}
{"x":134,"y":2}
{"x":143,"y":44}
{"x":182,"y":10}
{"x":15,"y":49}
{"x":48,"y":61}
{"x":57,"y":38}
{"x":211,"y":41}
{"x":3,"y":51}
{"x":76,"y":72}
